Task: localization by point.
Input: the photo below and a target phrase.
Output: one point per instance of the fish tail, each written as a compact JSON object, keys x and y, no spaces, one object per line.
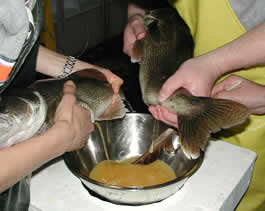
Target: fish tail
{"x":209,"y":117}
{"x":162,"y":143}
{"x":115,"y":110}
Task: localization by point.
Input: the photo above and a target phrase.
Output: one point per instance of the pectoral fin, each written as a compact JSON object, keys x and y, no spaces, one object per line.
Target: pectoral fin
{"x":210,"y":116}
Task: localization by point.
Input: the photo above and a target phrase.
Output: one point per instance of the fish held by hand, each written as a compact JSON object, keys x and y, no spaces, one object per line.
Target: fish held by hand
{"x":167,"y":44}
{"x":30,"y":111}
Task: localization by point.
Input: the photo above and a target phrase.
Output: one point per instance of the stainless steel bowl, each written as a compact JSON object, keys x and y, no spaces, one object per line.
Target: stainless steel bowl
{"x":128,"y":137}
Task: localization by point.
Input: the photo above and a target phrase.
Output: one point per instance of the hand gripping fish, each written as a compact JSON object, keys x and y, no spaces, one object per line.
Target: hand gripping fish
{"x":167,"y":44}
{"x":30,"y":111}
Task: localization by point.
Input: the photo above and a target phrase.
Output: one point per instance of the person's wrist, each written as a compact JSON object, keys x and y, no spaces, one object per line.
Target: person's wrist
{"x":210,"y":65}
{"x":82,"y":65}
{"x":68,"y":67}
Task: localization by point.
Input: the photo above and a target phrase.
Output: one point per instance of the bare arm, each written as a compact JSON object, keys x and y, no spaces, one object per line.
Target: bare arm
{"x":71,"y":130}
{"x":51,"y":63}
{"x":245,"y":52}
{"x":21,"y":159}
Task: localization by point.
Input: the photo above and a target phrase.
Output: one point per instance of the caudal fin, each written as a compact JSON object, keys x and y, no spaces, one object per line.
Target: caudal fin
{"x":162,"y":143}
{"x":209,"y":117}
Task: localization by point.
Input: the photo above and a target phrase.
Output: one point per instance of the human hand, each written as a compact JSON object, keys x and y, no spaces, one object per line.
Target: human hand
{"x":195,"y":75}
{"x":75,"y":119}
{"x":243,"y":91}
{"x":134,"y":29}
{"x":113,"y":79}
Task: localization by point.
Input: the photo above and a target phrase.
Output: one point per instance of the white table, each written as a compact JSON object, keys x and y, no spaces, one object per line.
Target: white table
{"x":219,"y":184}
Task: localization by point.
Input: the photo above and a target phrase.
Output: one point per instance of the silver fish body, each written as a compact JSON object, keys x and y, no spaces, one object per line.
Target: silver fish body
{"x":30,"y":111}
{"x":20,"y":117}
{"x":167,"y":44}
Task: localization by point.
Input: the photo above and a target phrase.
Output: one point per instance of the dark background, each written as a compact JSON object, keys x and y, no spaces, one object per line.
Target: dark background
{"x":92,"y":30}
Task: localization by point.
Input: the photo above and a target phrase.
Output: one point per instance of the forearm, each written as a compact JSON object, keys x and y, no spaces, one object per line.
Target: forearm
{"x":51,"y":63}
{"x":245,"y":52}
{"x":19,"y":160}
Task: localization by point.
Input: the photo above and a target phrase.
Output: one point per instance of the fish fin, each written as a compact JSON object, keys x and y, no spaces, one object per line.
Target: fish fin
{"x":137,"y":51}
{"x":116,"y":109}
{"x":162,"y":143}
{"x":211,"y":116}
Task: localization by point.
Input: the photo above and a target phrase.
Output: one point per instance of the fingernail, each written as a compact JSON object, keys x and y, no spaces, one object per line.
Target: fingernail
{"x":69,"y":83}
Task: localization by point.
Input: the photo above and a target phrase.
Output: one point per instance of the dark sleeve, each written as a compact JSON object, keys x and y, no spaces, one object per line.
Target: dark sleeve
{"x":150,"y":4}
{"x":27,"y":73}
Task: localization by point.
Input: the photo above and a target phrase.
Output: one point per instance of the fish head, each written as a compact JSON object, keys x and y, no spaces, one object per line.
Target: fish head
{"x":20,"y":117}
{"x":160,"y":24}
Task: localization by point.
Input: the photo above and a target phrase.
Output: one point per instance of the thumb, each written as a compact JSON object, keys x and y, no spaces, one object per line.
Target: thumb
{"x":226,"y":85}
{"x":69,"y":88}
{"x":137,"y":25}
{"x":168,"y":88}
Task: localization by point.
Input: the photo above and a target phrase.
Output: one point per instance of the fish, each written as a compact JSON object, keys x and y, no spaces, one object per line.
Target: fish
{"x":30,"y":111}
{"x":167,"y":44}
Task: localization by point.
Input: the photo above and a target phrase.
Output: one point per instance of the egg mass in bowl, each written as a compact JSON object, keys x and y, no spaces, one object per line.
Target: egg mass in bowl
{"x":123,"y":139}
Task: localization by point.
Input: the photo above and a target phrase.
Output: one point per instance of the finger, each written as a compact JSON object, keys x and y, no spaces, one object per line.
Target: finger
{"x":140,"y":34}
{"x":168,"y":116}
{"x":115,"y":82}
{"x":129,"y":39}
{"x":69,"y":88}
{"x":153,"y":111}
{"x":116,"y":86}
{"x":65,"y":107}
{"x":168,"y":88}
{"x":227,"y":84}
{"x":137,"y":25}
{"x":113,"y":79}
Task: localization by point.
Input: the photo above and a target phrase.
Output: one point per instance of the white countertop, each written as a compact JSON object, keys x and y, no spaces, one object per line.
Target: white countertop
{"x":218,"y":185}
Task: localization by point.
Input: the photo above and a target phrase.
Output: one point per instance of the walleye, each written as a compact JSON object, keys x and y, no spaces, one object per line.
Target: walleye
{"x":30,"y":111}
{"x":167,"y":44}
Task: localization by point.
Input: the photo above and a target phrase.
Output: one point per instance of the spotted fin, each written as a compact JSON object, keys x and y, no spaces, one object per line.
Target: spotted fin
{"x":213,"y":115}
